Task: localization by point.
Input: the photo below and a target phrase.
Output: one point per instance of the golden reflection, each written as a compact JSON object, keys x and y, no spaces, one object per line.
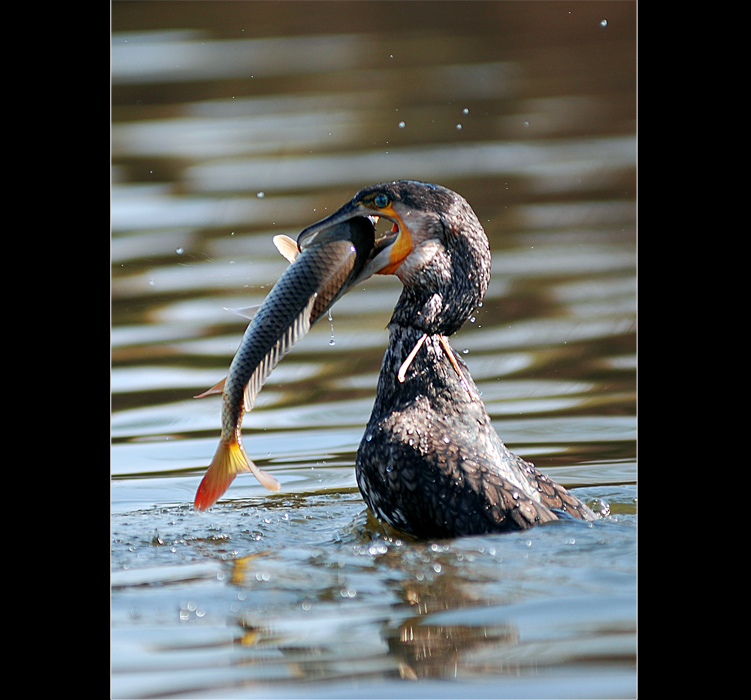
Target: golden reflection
{"x":241,"y":567}
{"x":414,"y":646}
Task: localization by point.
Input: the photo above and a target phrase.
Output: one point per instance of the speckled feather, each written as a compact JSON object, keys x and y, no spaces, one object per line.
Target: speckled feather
{"x":432,"y":465}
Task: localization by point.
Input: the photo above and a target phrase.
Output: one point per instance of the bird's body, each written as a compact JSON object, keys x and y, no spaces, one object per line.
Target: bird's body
{"x":432,"y":465}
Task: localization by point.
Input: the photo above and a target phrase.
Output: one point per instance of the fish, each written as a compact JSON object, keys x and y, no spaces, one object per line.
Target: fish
{"x":322,"y":269}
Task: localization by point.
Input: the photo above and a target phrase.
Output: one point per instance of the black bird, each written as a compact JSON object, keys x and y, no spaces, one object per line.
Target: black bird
{"x":430,"y":463}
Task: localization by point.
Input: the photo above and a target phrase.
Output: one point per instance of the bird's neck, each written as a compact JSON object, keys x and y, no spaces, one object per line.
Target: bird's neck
{"x":417,"y":363}
{"x":429,"y":312}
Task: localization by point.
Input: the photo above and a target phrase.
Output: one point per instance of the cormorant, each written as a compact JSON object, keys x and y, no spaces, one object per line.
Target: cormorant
{"x":430,"y":463}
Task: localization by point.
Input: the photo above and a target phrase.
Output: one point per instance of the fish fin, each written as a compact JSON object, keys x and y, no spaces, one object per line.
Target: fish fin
{"x":229,"y":460}
{"x":297,"y":329}
{"x":264,"y":478}
{"x":218,"y":388}
{"x":244,"y":311}
{"x":287,"y":247}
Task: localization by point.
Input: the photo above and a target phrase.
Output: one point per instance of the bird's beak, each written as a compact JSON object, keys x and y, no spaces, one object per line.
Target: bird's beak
{"x":390,"y":247}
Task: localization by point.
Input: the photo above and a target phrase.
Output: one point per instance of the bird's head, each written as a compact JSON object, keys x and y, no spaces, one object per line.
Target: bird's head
{"x":436,"y":246}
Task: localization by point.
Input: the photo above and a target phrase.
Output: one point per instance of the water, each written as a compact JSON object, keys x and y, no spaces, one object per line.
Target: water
{"x":234,"y":122}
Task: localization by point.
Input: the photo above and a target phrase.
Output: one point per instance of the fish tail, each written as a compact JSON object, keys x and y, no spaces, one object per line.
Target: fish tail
{"x":229,"y":460}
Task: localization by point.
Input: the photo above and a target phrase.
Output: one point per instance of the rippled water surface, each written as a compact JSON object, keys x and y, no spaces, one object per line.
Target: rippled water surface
{"x":234,"y":122}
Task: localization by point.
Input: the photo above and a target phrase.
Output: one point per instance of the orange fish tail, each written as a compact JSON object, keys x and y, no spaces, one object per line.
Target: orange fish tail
{"x":229,"y":460}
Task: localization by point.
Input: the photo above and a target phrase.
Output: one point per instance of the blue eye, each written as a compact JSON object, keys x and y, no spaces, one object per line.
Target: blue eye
{"x":381,"y":200}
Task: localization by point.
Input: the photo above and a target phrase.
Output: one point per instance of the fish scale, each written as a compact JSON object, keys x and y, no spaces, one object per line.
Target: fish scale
{"x":303,"y":293}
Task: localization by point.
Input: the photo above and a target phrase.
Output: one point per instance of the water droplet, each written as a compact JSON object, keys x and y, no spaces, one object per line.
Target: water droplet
{"x":179,"y":251}
{"x":604,"y":23}
{"x":459,"y":126}
{"x":151,"y":283}
{"x":402,"y":125}
{"x":526,"y":123}
{"x":466,"y":110}
{"x":261,"y":195}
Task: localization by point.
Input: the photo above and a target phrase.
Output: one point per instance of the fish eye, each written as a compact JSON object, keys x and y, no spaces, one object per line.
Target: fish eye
{"x":380,"y":200}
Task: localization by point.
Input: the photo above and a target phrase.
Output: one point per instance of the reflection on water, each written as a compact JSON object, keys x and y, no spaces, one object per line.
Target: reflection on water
{"x":234,"y":122}
{"x":368,"y":607}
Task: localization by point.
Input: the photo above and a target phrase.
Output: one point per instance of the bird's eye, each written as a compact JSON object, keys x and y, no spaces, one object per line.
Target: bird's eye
{"x":380,"y":200}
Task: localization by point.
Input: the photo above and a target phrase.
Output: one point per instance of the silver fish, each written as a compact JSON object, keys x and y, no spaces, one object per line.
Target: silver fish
{"x":327,"y":266}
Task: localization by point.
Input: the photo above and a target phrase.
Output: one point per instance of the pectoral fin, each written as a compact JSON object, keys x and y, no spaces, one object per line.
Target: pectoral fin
{"x":244,"y":311}
{"x":218,"y":388}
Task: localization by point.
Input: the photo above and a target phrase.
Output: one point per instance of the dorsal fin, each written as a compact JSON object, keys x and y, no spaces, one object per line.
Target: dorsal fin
{"x":287,"y":247}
